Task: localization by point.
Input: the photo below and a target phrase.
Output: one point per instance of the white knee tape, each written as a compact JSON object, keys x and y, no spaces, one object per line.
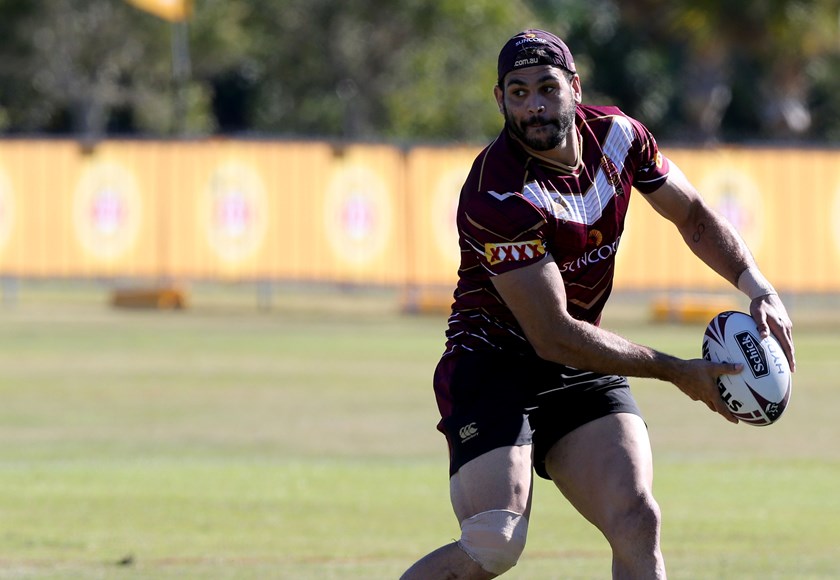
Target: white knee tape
{"x":495,"y":539}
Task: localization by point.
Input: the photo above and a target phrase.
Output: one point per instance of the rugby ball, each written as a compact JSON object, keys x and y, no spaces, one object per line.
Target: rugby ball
{"x":761,"y":392}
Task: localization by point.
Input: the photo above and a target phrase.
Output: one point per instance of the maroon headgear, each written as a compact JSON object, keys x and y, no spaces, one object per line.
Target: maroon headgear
{"x":534,"y":47}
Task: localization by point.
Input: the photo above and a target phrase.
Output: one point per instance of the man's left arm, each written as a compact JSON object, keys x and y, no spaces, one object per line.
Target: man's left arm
{"x":715,"y":241}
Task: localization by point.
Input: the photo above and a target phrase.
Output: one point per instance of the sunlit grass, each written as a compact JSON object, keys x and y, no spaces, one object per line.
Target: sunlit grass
{"x":226,"y":441}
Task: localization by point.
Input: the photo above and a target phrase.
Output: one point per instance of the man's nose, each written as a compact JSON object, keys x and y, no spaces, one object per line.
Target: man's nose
{"x":535,"y":107}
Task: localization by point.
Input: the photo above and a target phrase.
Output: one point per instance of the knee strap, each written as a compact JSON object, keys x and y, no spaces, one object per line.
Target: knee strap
{"x":494,"y":539}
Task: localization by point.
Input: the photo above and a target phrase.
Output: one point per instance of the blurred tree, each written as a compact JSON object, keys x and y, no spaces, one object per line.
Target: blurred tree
{"x":362,"y":69}
{"x":443,"y":79}
{"x":823,"y":101}
{"x":416,"y":69}
{"x":626,"y":66}
{"x":225,"y":64}
{"x":90,"y":67}
{"x":78,"y":65}
{"x":749,"y":63}
{"x":15,"y":92}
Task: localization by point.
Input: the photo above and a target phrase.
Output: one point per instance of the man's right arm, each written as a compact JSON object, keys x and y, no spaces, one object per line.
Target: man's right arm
{"x":536,"y":296}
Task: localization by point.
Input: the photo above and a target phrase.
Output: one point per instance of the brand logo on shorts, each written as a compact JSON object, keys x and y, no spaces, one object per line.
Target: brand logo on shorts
{"x":467,"y":432}
{"x":518,"y":252}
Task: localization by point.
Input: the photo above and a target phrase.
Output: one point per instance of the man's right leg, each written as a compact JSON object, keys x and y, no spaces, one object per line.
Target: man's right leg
{"x":491,"y":497}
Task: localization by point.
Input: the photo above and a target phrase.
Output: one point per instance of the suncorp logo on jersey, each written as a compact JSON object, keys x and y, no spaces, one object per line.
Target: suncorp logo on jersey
{"x":591,"y":257}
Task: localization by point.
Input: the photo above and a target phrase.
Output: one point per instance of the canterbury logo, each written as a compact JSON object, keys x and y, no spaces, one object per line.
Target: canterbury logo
{"x":468,"y":431}
{"x":518,"y":252}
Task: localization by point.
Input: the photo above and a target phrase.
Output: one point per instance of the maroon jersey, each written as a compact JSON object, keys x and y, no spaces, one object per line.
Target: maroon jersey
{"x":515,"y":209}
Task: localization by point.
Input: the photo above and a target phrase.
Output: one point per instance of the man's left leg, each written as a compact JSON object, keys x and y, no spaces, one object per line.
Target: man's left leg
{"x":605,"y":469}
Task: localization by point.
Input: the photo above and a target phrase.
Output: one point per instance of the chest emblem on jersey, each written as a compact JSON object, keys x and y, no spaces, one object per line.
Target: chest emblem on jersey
{"x":513,"y":252}
{"x":594,"y":238}
{"x":612,"y":175}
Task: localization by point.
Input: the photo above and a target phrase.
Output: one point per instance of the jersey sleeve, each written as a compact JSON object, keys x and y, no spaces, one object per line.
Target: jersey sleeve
{"x":503,"y":231}
{"x":653,"y":167}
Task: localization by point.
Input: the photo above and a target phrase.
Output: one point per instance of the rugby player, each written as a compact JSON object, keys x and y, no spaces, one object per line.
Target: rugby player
{"x":529,"y":381}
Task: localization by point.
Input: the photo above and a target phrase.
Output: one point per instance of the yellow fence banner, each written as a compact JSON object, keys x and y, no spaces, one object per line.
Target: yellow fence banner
{"x":366,"y":214}
{"x":435,"y":178}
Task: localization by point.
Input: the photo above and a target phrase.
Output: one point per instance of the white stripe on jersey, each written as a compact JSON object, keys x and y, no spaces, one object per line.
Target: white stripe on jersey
{"x":486,"y":320}
{"x":588,"y":207}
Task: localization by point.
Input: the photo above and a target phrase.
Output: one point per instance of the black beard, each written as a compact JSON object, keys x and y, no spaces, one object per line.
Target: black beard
{"x":559,"y":128}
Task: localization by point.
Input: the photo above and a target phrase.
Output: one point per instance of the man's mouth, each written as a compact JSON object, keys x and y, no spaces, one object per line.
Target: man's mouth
{"x":537,"y":123}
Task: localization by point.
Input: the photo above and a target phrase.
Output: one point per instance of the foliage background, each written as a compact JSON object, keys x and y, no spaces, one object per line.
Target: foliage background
{"x":412,"y":70}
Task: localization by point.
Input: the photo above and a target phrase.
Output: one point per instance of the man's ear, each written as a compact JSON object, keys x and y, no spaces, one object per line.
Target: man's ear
{"x":500,"y":98}
{"x":576,"y":90}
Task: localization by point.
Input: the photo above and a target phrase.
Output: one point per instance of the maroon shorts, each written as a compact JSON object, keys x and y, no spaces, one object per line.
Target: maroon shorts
{"x":489,"y":400}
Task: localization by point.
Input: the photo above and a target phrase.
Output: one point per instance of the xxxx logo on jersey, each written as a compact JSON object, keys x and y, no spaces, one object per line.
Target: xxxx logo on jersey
{"x":514,"y":252}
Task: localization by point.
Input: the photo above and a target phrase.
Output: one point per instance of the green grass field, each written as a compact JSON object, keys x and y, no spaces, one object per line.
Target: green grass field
{"x":230,"y":442}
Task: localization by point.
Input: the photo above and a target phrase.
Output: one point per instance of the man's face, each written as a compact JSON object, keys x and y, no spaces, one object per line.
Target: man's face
{"x":539,"y":105}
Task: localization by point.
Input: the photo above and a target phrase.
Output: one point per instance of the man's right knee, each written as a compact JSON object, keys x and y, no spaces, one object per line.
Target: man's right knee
{"x":494,"y":539}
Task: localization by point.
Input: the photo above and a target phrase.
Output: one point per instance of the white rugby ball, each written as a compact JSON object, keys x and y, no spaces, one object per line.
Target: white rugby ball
{"x":759,"y":394}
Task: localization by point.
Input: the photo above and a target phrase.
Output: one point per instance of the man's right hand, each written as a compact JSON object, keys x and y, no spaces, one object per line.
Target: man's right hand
{"x":698,"y":380}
